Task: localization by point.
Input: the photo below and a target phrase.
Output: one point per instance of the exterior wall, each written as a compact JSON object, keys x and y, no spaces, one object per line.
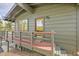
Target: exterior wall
{"x":62,"y":20}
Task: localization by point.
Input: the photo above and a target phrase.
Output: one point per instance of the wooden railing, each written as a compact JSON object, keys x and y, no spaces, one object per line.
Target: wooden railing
{"x":41,"y":42}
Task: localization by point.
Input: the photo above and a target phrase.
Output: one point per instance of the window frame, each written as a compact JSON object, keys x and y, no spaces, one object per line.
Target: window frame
{"x":36,"y":24}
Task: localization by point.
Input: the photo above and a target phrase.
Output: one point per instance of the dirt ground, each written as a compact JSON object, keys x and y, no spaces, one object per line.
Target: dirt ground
{"x":19,"y":53}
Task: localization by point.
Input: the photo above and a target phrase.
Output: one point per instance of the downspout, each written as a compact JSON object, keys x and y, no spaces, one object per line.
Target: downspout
{"x":76,"y":33}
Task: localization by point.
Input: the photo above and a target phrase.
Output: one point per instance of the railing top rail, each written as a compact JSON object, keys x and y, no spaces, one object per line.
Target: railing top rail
{"x":44,"y":32}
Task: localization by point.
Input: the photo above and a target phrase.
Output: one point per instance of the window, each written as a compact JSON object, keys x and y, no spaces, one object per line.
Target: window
{"x":39,"y":24}
{"x":23,"y":25}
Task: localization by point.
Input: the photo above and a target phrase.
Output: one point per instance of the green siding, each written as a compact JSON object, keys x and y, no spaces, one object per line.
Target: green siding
{"x":62,"y":20}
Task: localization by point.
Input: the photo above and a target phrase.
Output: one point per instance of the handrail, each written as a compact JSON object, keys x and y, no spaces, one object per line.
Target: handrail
{"x":41,"y":38}
{"x":44,"y":32}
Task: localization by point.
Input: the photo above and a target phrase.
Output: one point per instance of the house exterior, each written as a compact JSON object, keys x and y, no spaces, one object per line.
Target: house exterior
{"x":61,"y":18}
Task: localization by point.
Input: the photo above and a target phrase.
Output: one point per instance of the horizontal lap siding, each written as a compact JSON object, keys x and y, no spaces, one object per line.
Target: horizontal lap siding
{"x":65,"y":26}
{"x":62,"y":20}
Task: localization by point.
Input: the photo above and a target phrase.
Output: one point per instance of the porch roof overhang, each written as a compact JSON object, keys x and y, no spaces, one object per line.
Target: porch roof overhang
{"x":18,"y":8}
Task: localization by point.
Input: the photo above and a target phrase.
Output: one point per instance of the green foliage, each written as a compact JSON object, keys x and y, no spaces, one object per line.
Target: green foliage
{"x":6,"y":27}
{"x":1,"y":26}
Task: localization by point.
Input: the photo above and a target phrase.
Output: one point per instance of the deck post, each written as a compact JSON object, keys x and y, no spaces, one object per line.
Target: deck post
{"x":12,"y":36}
{"x":20,"y":42}
{"x":1,"y":39}
{"x":52,"y":44}
{"x":7,"y":45}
